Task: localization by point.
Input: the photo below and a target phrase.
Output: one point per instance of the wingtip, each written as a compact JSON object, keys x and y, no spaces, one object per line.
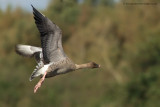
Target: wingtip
{"x":32,"y":6}
{"x":17,"y":49}
{"x":35,"y":11}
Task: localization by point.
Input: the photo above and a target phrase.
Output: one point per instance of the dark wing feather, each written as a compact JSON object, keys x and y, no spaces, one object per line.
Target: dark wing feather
{"x":51,"y":36}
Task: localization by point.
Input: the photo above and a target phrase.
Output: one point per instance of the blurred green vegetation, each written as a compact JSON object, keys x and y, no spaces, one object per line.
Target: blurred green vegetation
{"x":123,"y":39}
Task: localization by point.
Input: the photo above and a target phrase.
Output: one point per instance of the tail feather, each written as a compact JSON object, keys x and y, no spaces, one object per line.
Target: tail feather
{"x":34,"y":74}
{"x":26,"y":50}
{"x":39,"y":70}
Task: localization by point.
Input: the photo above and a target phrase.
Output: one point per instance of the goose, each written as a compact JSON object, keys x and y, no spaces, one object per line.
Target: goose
{"x":51,"y":58}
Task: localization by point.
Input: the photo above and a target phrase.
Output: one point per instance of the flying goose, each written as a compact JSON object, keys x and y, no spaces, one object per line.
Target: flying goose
{"x":51,"y":59}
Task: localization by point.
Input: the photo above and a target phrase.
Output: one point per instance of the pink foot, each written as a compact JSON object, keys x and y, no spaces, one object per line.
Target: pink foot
{"x":38,"y":85}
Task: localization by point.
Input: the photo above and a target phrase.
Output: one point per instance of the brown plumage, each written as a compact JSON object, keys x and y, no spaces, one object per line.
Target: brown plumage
{"x":51,"y":58}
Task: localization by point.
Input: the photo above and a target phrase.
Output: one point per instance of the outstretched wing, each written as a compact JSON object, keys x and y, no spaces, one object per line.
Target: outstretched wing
{"x":27,"y":50}
{"x":51,"y":36}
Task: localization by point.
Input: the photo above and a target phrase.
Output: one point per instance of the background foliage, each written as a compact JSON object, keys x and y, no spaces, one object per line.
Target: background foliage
{"x":123,"y":39}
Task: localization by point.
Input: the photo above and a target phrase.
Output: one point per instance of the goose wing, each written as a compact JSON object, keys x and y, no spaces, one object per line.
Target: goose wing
{"x":51,"y":36}
{"x":27,"y":50}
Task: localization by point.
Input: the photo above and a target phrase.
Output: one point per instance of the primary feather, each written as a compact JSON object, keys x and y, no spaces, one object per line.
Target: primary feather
{"x":51,"y":36}
{"x":26,"y":50}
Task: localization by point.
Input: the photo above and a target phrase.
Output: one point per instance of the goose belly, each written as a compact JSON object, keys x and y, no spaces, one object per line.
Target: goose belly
{"x":58,"y":71}
{"x":43,"y":69}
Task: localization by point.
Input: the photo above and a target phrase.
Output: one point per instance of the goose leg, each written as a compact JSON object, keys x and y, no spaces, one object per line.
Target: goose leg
{"x":38,"y":85}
